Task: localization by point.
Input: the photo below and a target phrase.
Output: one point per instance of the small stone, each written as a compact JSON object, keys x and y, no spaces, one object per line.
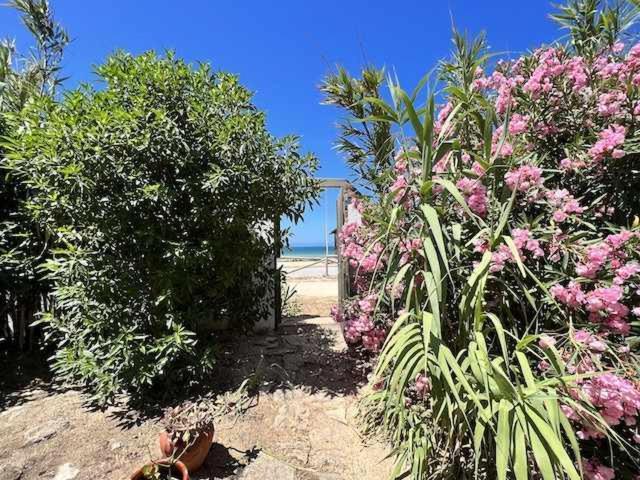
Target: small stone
{"x":43,"y":432}
{"x":339,"y":414}
{"x":115,"y":445}
{"x":11,"y":471}
{"x":12,"y":412}
{"x":265,"y":467}
{"x":66,"y":472}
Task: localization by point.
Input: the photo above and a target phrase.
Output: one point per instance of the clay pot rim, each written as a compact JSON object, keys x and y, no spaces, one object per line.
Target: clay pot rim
{"x":166,"y":463}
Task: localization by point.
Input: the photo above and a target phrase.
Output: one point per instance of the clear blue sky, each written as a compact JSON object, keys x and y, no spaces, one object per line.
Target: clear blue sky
{"x":281,"y":49}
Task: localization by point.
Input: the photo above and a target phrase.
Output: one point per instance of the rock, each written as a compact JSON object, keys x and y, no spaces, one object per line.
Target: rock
{"x":66,"y":472}
{"x":339,"y":414}
{"x":12,"y":412}
{"x":115,"y":445}
{"x":265,"y":467}
{"x":11,"y":471}
{"x":35,"y":394}
{"x":45,"y":431}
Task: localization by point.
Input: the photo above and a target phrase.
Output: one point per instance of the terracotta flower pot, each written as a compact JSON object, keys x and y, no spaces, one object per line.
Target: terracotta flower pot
{"x":193,"y":456}
{"x":178,"y":467}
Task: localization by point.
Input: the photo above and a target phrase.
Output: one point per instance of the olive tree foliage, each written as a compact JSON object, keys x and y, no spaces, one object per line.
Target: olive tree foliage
{"x":158,"y":188}
{"x":366,"y":143}
{"x":23,"y":79}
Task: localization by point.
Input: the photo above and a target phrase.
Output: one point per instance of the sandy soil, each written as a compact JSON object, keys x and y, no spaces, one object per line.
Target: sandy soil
{"x":308,"y":269}
{"x":315,"y":296}
{"x":302,"y":426}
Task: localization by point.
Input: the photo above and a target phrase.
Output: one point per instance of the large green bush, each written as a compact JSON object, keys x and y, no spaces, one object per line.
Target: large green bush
{"x":158,"y":189}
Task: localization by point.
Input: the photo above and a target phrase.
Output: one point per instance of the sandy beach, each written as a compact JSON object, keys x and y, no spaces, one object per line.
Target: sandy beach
{"x":315,"y":292}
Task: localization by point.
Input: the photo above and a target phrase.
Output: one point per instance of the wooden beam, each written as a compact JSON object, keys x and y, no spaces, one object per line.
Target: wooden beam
{"x":334,"y":183}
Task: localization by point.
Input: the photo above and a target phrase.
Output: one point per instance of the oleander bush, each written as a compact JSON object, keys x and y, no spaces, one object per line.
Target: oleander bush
{"x":498,"y":276}
{"x":157,"y":188}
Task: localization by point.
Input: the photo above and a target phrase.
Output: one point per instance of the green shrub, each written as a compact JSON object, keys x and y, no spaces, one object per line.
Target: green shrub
{"x":23,"y":78}
{"x":158,"y":189}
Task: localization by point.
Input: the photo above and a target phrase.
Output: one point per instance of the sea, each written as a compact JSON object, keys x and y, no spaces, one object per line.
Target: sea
{"x":311,"y":251}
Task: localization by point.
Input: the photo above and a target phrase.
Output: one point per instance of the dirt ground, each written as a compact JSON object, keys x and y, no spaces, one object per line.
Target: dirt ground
{"x":302,"y":425}
{"x":315,"y":296}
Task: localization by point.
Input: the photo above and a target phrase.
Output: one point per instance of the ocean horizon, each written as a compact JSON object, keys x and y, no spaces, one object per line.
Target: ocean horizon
{"x":307,"y":251}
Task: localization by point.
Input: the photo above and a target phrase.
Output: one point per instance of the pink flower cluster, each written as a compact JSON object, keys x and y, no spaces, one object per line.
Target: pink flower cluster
{"x":564,"y":204}
{"x":609,"y":142}
{"x":610,"y":103}
{"x":525,"y":244}
{"x":407,"y":249}
{"x":475,"y":194}
{"x":603,"y":304}
{"x":571,"y":295}
{"x":616,"y":398}
{"x":355,"y":245}
{"x":609,"y":252}
{"x":422,"y":385}
{"x":518,"y":124}
{"x":594,"y":470}
{"x":593,"y":342}
{"x":524,"y":178}
{"x":550,"y":66}
{"x":358,"y":325}
{"x":399,"y":187}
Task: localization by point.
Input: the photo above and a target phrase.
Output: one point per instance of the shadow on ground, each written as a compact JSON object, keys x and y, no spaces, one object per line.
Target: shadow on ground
{"x":24,"y":376}
{"x":298,"y":354}
{"x":220,"y":463}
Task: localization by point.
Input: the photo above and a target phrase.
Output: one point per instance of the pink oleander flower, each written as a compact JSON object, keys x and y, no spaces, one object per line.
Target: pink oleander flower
{"x":615,"y":397}
{"x":617,"y":47}
{"x":524,"y":178}
{"x":525,"y":242}
{"x":546,"y":341}
{"x":373,"y":339}
{"x":399,"y":187}
{"x":443,"y":114}
{"x":518,"y":124}
{"x":504,"y":86}
{"x":564,"y":203}
{"x":609,"y":141}
{"x":571,"y":165}
{"x":549,"y":67}
{"x":475,"y":194}
{"x":596,"y":256}
{"x":610,"y":104}
{"x":478,"y":169}
{"x":577,"y":73}
{"x":480,"y":245}
{"x":368,"y":303}
{"x":369,"y":263}
{"x":422,"y":385}
{"x":572,"y":295}
{"x":618,"y":240}
{"x":400,"y":165}
{"x":594,"y":470}
{"x":498,"y":142}
{"x":627,"y":271}
{"x":606,"y":69}
{"x":604,"y":306}
{"x":336,"y":313}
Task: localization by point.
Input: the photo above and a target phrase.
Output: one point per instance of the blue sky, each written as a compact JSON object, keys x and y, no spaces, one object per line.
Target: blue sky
{"x":281,"y":49}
